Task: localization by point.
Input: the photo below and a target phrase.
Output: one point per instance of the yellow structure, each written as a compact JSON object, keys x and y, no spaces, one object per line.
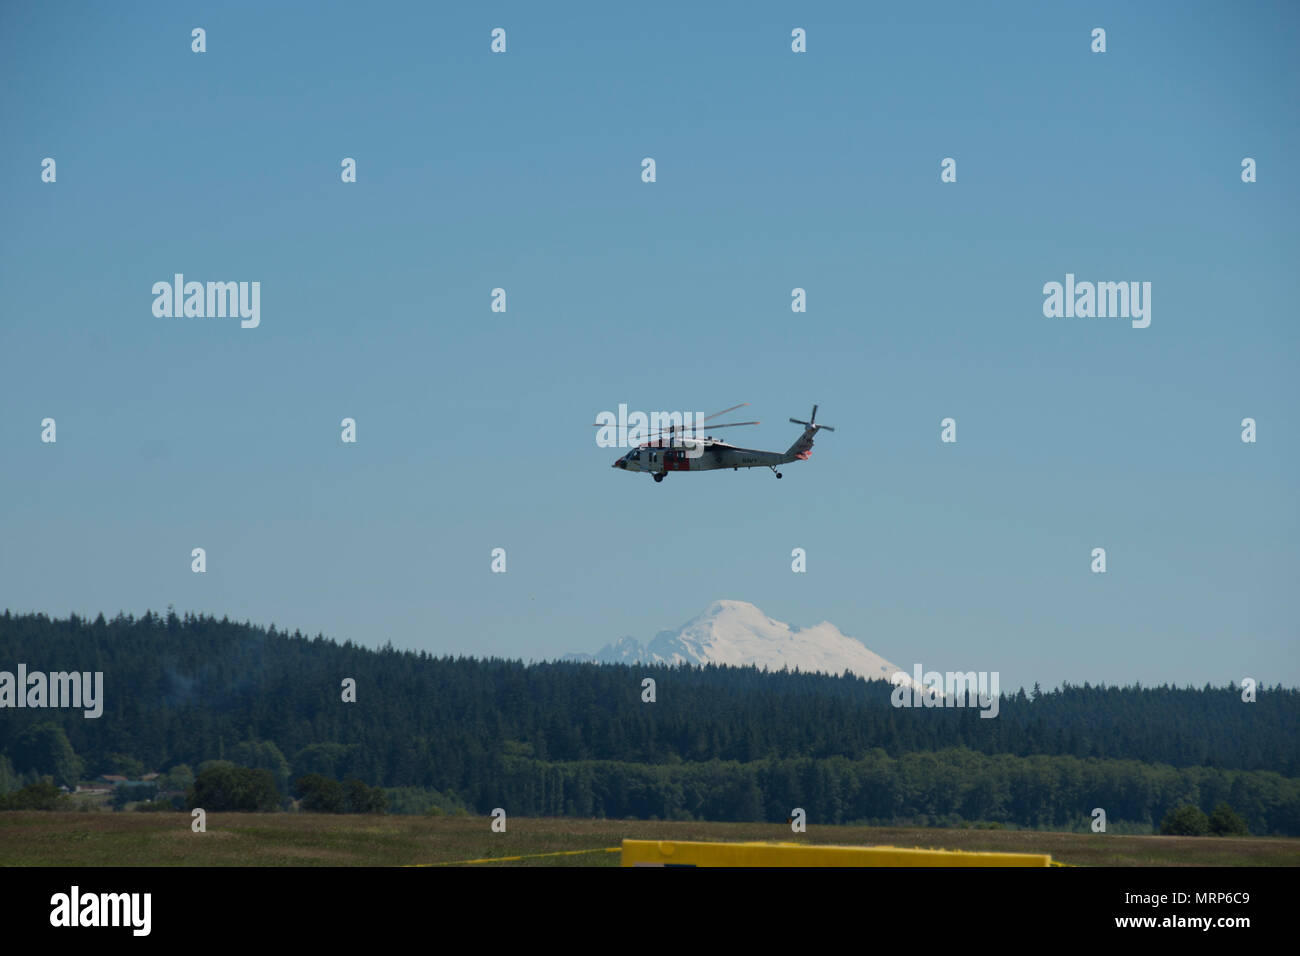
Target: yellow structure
{"x":691,"y":853}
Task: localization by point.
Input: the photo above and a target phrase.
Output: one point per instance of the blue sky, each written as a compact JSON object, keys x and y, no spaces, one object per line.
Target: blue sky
{"x":774,"y":171}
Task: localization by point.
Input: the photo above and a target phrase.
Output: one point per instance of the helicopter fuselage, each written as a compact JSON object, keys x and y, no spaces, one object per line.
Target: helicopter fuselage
{"x":677,"y":452}
{"x":655,"y":459}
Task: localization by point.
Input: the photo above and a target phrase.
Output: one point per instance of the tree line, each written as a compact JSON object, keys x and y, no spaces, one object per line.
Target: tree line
{"x":557,"y":738}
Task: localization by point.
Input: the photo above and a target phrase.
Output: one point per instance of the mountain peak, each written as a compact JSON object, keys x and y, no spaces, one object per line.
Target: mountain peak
{"x":739,"y":634}
{"x":729,"y":608}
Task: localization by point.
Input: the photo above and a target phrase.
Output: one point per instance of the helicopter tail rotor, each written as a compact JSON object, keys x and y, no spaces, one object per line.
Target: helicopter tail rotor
{"x":812,"y":422}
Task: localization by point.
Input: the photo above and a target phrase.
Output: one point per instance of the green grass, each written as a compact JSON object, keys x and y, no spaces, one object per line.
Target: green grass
{"x":305,"y":839}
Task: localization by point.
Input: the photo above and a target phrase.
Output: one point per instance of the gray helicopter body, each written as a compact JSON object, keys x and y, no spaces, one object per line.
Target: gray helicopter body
{"x":673,"y":451}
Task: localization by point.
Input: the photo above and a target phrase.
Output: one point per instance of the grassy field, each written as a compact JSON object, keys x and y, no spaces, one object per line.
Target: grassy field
{"x":304,"y":839}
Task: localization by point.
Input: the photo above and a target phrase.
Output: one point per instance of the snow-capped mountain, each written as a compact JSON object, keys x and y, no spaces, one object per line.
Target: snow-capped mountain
{"x":739,"y":634}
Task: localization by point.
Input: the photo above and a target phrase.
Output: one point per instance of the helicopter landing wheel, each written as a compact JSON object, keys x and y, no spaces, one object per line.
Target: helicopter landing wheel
{"x":778,"y":474}
{"x":659,"y":477}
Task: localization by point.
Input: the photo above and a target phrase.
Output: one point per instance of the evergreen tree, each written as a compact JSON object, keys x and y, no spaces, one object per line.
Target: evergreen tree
{"x":44,"y":748}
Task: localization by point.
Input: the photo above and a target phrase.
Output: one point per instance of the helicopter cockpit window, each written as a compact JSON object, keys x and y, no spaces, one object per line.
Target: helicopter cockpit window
{"x":636,"y":455}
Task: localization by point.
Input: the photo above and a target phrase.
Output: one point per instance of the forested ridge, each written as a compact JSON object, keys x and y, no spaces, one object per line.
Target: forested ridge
{"x":718,"y":743}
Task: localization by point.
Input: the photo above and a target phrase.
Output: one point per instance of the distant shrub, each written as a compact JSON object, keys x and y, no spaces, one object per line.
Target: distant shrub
{"x":1186,"y":820}
{"x":225,"y":787}
{"x":1225,"y":821}
{"x":359,"y":797}
{"x":42,"y":795}
{"x":318,"y":794}
{"x":422,"y":801}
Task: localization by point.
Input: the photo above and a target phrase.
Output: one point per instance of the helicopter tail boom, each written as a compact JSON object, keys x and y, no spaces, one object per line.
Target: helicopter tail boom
{"x":801,"y":450}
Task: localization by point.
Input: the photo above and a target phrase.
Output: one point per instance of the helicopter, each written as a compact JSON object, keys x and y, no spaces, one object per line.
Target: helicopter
{"x":672,"y":450}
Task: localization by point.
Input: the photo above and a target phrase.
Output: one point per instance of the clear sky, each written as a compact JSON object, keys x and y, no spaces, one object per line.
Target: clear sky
{"x":775,"y":170}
